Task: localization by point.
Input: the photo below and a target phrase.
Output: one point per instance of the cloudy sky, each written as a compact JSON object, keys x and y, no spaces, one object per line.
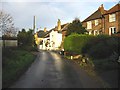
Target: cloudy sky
{"x":47,"y":12}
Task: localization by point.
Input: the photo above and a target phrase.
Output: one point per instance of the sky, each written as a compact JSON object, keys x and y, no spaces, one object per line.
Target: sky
{"x":47,"y":12}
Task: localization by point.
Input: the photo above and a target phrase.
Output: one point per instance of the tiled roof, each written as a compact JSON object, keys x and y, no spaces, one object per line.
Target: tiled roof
{"x":41,"y":33}
{"x":114,"y":9}
{"x":47,"y":33}
{"x":97,"y":14}
{"x":65,"y":26}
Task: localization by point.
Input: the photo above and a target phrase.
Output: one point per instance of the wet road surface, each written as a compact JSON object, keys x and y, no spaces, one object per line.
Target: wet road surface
{"x":49,"y":70}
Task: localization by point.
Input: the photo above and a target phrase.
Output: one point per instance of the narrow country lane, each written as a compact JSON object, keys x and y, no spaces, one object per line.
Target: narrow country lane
{"x":49,"y":70}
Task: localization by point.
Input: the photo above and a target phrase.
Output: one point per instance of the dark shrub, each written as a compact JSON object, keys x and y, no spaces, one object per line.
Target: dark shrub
{"x":101,"y":46}
{"x":99,"y":51}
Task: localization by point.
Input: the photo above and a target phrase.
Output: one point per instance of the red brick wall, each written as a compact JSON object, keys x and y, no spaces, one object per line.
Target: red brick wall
{"x":119,"y":21}
{"x":112,"y":24}
{"x":97,"y":27}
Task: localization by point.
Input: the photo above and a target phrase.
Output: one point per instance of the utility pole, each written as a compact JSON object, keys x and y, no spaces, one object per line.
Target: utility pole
{"x":34,"y":24}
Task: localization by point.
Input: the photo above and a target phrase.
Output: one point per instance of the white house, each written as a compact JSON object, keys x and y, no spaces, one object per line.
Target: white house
{"x":53,"y":39}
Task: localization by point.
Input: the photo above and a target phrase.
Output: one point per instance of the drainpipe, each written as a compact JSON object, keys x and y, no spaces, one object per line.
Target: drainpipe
{"x":104,"y":24}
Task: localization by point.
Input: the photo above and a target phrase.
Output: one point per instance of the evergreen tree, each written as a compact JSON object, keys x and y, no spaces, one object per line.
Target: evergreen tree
{"x":76,"y":27}
{"x":25,"y":37}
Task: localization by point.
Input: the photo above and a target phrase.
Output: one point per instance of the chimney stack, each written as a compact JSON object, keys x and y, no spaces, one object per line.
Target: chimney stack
{"x":45,"y":30}
{"x":34,"y":23}
{"x":59,"y":25}
{"x":101,"y":8}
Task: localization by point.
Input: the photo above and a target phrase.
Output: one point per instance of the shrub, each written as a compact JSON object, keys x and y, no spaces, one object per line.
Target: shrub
{"x":75,"y":42}
{"x":99,"y":51}
{"x":96,"y":47}
{"x":101,"y":46}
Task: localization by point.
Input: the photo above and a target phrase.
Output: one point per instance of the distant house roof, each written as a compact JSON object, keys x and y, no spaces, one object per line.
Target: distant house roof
{"x":96,"y":15}
{"x":114,"y":9}
{"x":65,"y":26}
{"x":41,"y":33}
{"x":47,"y":34}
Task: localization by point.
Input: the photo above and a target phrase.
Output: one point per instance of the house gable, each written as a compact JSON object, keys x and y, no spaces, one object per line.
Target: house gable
{"x":114,"y":9}
{"x":96,"y":15}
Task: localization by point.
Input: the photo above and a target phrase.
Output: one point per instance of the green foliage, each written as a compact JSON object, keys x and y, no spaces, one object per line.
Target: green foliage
{"x":101,"y":46}
{"x":76,"y":27}
{"x":75,"y":42}
{"x":14,"y":63}
{"x":96,"y":47}
{"x":25,"y":38}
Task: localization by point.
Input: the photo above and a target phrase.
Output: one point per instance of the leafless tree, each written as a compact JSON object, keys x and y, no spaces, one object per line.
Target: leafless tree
{"x":6,"y":24}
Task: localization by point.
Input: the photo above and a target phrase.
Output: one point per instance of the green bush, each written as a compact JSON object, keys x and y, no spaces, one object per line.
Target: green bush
{"x":75,"y":42}
{"x":14,"y":64}
{"x":96,"y":47}
{"x":101,"y":46}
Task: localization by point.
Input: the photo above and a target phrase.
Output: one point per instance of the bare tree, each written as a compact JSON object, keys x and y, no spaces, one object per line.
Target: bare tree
{"x":7,"y":28}
{"x":6,"y":24}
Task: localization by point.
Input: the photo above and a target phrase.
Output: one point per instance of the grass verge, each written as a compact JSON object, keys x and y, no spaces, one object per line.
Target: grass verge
{"x":14,"y":64}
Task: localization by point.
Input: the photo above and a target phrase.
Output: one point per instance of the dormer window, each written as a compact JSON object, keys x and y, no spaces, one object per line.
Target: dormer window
{"x":89,"y":25}
{"x":96,"y":22}
{"x":112,"y":18}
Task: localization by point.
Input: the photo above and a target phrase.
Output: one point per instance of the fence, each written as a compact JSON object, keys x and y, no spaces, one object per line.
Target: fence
{"x":9,"y":43}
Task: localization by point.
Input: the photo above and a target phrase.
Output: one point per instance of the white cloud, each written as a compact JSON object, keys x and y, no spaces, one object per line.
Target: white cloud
{"x":47,"y":13}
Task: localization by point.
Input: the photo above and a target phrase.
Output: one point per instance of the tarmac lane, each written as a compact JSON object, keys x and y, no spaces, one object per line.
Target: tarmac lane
{"x":50,"y":70}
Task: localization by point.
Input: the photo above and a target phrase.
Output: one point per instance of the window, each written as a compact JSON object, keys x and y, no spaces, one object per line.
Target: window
{"x":96,"y":22}
{"x":112,"y":30}
{"x":89,"y":25}
{"x":112,"y":18}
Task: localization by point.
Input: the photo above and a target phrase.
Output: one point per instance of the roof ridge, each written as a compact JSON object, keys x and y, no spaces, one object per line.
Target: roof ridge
{"x":87,"y":19}
{"x":113,"y":9}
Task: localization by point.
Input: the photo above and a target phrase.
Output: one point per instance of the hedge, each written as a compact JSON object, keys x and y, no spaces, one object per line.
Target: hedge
{"x":97,"y":47}
{"x":101,"y":46}
{"x":75,"y":42}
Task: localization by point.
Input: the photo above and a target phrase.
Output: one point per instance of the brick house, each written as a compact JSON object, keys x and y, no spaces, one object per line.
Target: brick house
{"x":64,"y":30}
{"x":112,"y":20}
{"x":94,"y":23}
{"x":103,"y":21}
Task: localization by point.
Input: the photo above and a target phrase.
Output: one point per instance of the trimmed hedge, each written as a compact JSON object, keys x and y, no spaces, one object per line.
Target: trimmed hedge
{"x":76,"y":42}
{"x":102,"y":46}
{"x":96,"y":47}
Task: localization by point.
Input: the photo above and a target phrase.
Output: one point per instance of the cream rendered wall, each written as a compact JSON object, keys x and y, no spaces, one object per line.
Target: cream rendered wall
{"x":55,"y":39}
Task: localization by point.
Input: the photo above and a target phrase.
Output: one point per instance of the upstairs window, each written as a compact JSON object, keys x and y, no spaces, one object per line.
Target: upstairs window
{"x":89,"y":25}
{"x":112,"y":17}
{"x":96,"y":22}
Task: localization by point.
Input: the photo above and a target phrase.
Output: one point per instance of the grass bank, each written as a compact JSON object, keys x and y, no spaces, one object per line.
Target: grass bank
{"x":15,"y":62}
